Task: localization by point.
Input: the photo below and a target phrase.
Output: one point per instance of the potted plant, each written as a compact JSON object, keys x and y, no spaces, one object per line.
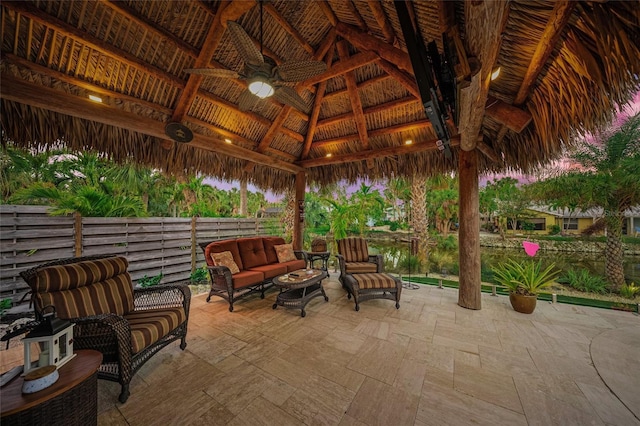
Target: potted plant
{"x":524,"y":280}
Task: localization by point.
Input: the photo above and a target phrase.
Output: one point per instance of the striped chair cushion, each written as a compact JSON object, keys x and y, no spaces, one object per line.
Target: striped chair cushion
{"x":360,"y":267}
{"x":80,"y":274}
{"x":114,"y":295}
{"x":371,"y":281}
{"x":353,"y":249}
{"x":149,"y":326}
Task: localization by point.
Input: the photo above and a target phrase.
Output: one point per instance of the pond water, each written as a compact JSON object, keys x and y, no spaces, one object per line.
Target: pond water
{"x":396,"y":260}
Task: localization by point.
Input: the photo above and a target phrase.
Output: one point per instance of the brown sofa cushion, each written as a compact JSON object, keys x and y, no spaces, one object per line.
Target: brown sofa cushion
{"x":269,"y":243}
{"x":294,"y":265}
{"x":252,"y":252}
{"x":272,"y":270}
{"x":149,"y":326}
{"x":353,"y":249}
{"x":245,"y":278}
{"x":360,"y":267}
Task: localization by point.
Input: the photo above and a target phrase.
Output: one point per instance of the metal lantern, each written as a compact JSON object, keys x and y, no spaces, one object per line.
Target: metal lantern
{"x":55,"y":338}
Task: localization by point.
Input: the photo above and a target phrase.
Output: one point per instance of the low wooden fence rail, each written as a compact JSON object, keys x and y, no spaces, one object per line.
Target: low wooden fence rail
{"x":29,"y":237}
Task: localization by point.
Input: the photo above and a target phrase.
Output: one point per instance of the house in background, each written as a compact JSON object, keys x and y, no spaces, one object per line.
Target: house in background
{"x":578,"y":221}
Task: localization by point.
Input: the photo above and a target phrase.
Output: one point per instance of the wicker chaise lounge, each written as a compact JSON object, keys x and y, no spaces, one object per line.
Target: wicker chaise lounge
{"x":128,"y":326}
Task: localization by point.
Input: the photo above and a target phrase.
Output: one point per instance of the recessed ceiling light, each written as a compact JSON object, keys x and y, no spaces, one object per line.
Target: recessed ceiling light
{"x":328,"y":155}
{"x":227,"y":140}
{"x":95,"y":98}
{"x":408,"y":142}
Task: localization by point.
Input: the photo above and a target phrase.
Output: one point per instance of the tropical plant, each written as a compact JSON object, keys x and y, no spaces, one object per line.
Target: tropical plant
{"x":398,"y":190}
{"x":200,"y":275}
{"x":367,"y":203}
{"x":5,"y":304}
{"x":146,"y":281}
{"x":507,"y":201}
{"x":583,"y":280}
{"x":442,"y":201}
{"x":526,"y":277}
{"x":607,"y":178}
{"x":629,"y":290}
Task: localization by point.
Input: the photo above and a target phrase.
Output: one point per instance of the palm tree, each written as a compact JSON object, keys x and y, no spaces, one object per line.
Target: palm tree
{"x":442,"y":201}
{"x":419,"y":217}
{"x":367,"y":202}
{"x":243,"y":197}
{"x":398,"y":189}
{"x":609,"y":179}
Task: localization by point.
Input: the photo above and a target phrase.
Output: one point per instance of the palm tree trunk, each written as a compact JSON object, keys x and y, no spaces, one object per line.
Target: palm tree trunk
{"x":289,"y":214}
{"x":613,"y":267}
{"x":243,"y":198}
{"x":419,"y":218}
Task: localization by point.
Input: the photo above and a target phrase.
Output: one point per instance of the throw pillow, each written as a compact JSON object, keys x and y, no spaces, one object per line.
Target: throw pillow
{"x":285,"y":253}
{"x":225,"y":258}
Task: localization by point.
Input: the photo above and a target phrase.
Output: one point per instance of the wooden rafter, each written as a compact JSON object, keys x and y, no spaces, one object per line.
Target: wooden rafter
{"x":369,"y":155}
{"x":328,"y":12}
{"x":512,"y":117}
{"x":356,"y":15}
{"x":562,"y":10}
{"x":356,"y":103}
{"x":361,"y":85}
{"x":341,"y":67}
{"x":446,"y":15}
{"x":408,"y":81}
{"x":20,"y":91}
{"x":364,"y":41}
{"x":369,"y":110}
{"x":405,"y":127}
{"x":287,"y":27}
{"x":382,"y":20}
{"x":315,"y":112}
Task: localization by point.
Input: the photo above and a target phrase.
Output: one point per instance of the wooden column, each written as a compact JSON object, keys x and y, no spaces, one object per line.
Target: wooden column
{"x":298,"y":226}
{"x":469,"y":232}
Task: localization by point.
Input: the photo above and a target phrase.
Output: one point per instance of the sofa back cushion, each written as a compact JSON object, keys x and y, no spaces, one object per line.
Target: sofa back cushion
{"x":269,"y":244}
{"x":353,"y":249}
{"x":219,"y":247}
{"x":252,"y":252}
{"x":85,"y":288}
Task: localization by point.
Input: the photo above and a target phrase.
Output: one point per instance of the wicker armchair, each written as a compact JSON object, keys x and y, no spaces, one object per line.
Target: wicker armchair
{"x":353,"y":258}
{"x":128,"y":326}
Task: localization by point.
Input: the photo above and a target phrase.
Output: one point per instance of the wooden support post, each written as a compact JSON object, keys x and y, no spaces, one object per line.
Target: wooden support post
{"x":77,"y":234}
{"x":194,"y":243}
{"x":298,"y":226}
{"x":469,"y":295}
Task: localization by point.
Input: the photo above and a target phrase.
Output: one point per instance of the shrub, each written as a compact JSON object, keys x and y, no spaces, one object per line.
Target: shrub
{"x":200,"y":275}
{"x":393,"y":226}
{"x":554,"y":229}
{"x":439,"y":260}
{"x":410,"y":263}
{"x":449,"y":243}
{"x":629,"y":290}
{"x":146,"y":281}
{"x":5,"y":304}
{"x":583,"y":280}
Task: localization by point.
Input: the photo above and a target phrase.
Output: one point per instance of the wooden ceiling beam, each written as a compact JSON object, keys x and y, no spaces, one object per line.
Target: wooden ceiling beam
{"x":369,"y":110}
{"x":382,"y":20}
{"x":512,"y":117}
{"x":361,"y":85}
{"x":287,"y":27}
{"x":558,"y":20}
{"x":315,"y":112}
{"x":20,"y":91}
{"x":354,"y":96}
{"x":488,"y":152}
{"x":66,"y":30}
{"x":214,"y":36}
{"x":416,"y":125}
{"x":407,"y":81}
{"x":356,"y":15}
{"x":369,"y":155}
{"x":328,"y":12}
{"x":485,"y":23}
{"x":364,"y":41}
{"x":341,"y":67}
{"x":446,"y":15}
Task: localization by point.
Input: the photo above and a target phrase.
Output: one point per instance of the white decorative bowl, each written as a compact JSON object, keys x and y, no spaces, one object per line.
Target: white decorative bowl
{"x":40,"y":378}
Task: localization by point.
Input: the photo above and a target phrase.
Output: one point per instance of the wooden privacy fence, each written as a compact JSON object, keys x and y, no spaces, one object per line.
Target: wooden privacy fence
{"x":30,"y":237}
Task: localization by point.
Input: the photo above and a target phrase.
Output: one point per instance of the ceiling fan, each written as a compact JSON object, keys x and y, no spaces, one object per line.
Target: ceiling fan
{"x":263,"y":76}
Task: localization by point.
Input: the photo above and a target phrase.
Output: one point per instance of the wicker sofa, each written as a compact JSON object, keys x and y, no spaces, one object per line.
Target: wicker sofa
{"x":257,"y":263}
{"x":127,"y":325}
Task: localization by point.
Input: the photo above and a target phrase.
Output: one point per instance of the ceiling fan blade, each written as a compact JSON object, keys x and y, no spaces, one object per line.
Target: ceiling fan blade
{"x":247,"y":100}
{"x":244,"y":45}
{"x":289,"y":96}
{"x":300,"y":70}
{"x":213,"y":72}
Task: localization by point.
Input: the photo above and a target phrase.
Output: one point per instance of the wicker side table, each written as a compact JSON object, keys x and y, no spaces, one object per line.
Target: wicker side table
{"x":312,"y":256}
{"x":72,"y":400}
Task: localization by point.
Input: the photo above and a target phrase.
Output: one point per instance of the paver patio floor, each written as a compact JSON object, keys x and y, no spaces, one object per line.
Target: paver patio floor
{"x":430,"y":362}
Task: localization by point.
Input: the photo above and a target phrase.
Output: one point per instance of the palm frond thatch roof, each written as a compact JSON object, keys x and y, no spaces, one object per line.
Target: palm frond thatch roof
{"x":564,"y":67}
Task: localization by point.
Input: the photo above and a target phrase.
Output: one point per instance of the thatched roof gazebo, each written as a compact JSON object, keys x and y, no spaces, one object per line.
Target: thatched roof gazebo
{"x":393,"y":71}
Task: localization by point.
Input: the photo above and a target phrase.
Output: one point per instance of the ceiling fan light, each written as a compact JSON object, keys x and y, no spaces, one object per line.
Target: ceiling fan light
{"x":260,"y":88}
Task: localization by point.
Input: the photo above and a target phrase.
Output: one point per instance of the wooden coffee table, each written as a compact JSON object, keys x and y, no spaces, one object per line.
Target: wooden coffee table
{"x":297,"y":288}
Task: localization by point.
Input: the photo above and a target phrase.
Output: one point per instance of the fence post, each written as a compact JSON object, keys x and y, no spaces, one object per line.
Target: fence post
{"x":193,"y":243}
{"x":77,"y":234}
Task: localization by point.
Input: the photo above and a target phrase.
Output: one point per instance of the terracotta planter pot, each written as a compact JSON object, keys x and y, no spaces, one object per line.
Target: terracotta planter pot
{"x":522,"y":303}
